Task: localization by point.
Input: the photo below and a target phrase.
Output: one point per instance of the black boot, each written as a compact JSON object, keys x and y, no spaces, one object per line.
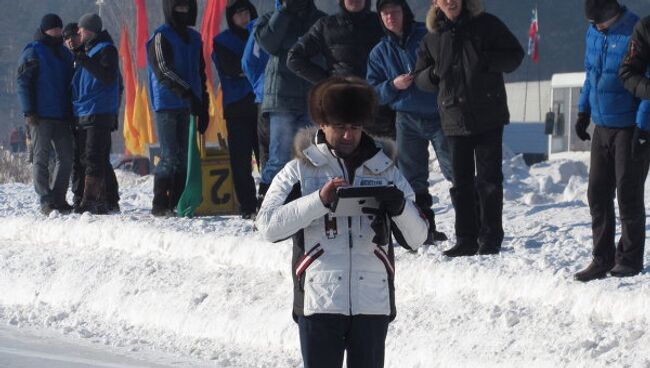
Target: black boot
{"x":424,"y":203}
{"x":596,"y":270}
{"x":161,"y":189}
{"x":92,"y":200}
{"x":462,"y":250}
{"x":621,"y":270}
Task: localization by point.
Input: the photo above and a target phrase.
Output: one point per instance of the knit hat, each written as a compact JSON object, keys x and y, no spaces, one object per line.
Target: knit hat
{"x":70,"y":30}
{"x":50,"y":21}
{"x":91,"y":22}
{"x":599,"y":11}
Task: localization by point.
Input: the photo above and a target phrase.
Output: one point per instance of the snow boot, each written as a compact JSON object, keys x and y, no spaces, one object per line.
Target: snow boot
{"x":424,"y":202}
{"x":596,"y":270}
{"x":624,"y":271}
{"x":93,"y":198}
{"x":462,"y":249}
{"x":161,"y":189}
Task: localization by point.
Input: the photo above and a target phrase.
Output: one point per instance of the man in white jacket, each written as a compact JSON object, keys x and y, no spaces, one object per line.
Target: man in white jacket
{"x":343,"y":270}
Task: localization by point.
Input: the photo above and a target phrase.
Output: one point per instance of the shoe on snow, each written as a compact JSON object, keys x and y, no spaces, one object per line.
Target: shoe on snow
{"x":624,"y":271}
{"x":594,"y":271}
{"x":487,"y":250}
{"x":64,"y":208}
{"x":461,"y":250}
{"x":46,"y":209}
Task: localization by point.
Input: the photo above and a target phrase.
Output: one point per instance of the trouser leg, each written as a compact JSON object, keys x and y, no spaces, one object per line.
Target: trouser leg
{"x":489,"y":187}
{"x":63,"y":144}
{"x":322,"y":340}
{"x":41,"y":135}
{"x":242,"y":135}
{"x":263,"y":136}
{"x":463,"y":191}
{"x":366,"y":341}
{"x":78,"y":167}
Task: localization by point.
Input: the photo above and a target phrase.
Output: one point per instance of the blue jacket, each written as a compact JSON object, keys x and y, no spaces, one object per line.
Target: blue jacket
{"x":92,"y":97}
{"x":43,"y":82}
{"x":187,"y":59}
{"x":387,"y":61}
{"x":603,"y":94}
{"x":234,"y":87}
{"x":254,"y":63}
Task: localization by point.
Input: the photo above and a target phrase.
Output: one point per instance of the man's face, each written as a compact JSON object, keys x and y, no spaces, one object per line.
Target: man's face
{"x":242,"y":18}
{"x":85,"y":35}
{"x":451,"y":8}
{"x":73,"y":41}
{"x":343,"y":138}
{"x":393,"y":17}
{"x":54,"y":32}
{"x":354,"y":6}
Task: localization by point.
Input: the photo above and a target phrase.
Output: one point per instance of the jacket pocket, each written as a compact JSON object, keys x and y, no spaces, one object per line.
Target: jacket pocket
{"x":324,"y":292}
{"x":373,"y":292}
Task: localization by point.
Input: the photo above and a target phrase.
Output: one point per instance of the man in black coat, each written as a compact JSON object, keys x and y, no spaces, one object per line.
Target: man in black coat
{"x":344,"y":40}
{"x":464,"y":56}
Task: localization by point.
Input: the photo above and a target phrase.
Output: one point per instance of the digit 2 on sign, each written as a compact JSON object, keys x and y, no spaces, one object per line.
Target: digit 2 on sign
{"x":222,"y":176}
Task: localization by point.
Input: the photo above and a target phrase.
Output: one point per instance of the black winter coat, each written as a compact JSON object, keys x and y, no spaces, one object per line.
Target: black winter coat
{"x":465,"y":60}
{"x":637,"y":60}
{"x":344,"y":40}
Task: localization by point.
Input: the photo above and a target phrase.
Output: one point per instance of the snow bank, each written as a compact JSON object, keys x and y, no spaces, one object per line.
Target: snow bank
{"x":211,"y":289}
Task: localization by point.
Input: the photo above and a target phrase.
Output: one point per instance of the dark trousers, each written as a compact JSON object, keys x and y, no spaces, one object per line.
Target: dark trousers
{"x":477,"y":171}
{"x":242,"y":144}
{"x":325,"y":337}
{"x":263,"y":137}
{"x":51,"y":143}
{"x":79,"y":167}
{"x":613,"y":171}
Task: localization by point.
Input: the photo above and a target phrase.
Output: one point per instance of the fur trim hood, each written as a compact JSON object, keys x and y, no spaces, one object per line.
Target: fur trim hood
{"x":435,"y":16}
{"x":309,"y":147}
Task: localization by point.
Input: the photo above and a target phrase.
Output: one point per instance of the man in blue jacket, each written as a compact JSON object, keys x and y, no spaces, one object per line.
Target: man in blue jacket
{"x":390,"y":71}
{"x":615,"y":166}
{"x":285,"y":94}
{"x":253,"y":64}
{"x":43,"y":84}
{"x":95,"y":96}
{"x":177,"y":88}
{"x":239,"y":108}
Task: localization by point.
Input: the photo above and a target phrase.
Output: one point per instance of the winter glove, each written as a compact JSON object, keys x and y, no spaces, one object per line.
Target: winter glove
{"x":296,"y":6}
{"x":640,"y":144}
{"x":31,"y":120}
{"x":196,"y":105}
{"x":378,"y":225}
{"x":392,"y":201}
{"x":584,"y":119}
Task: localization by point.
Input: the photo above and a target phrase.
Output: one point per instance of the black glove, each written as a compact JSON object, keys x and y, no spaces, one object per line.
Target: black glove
{"x":640,"y":144}
{"x":379,"y":225}
{"x":584,"y":119}
{"x":196,"y":105}
{"x":296,"y":6}
{"x":203,"y":121}
{"x":392,"y":201}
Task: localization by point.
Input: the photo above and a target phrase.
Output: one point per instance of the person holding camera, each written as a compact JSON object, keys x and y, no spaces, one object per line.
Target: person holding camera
{"x":343,"y":266}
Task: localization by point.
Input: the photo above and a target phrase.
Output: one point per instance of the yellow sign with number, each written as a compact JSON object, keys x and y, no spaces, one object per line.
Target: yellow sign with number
{"x":218,"y":189}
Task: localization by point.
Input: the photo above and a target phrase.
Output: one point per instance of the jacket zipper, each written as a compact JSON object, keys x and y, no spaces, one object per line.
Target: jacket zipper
{"x":603,"y":64}
{"x":345,"y":176}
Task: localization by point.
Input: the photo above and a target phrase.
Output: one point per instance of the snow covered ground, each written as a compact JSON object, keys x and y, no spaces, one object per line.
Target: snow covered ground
{"x":210,"y":292}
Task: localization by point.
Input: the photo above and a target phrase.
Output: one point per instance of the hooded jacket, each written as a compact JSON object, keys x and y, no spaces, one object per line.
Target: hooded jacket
{"x":603,"y":94}
{"x":227,"y":55}
{"x":277,"y":32}
{"x":254,"y":63}
{"x":635,"y":70}
{"x":465,"y":60}
{"x":344,"y":40}
{"x":43,"y":80}
{"x":394,"y":56}
{"x":96,"y":83}
{"x":176,"y":66}
{"x":336,"y":266}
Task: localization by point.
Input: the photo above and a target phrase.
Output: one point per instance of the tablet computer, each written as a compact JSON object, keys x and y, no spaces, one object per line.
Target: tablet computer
{"x":351,"y":200}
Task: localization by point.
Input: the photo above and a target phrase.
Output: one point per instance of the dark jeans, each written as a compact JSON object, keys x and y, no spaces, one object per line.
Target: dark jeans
{"x":263,"y":137}
{"x":173,"y":130}
{"x":283,"y":128}
{"x":48,"y":136}
{"x":613,"y":171}
{"x":325,"y":337}
{"x":413,"y":136}
{"x":477,"y":171}
{"x":79,"y":169}
{"x":242,"y":144}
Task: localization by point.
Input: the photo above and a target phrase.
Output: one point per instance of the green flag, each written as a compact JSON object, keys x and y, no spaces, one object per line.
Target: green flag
{"x":192,"y":195}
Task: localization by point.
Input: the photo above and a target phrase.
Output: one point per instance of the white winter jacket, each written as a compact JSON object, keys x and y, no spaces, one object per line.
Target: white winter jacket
{"x":336,"y":268}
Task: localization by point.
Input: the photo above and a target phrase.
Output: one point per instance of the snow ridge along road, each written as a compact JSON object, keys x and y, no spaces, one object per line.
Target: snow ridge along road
{"x":210,"y":289}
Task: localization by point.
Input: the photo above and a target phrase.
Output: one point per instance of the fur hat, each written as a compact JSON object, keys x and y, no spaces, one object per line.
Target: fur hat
{"x":600,"y":11}
{"x":342,"y":100}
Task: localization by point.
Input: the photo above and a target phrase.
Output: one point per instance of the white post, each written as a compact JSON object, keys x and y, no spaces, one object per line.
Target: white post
{"x":100,"y":5}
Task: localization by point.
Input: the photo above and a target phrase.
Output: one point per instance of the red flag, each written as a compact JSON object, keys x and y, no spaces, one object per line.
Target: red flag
{"x":533,"y":37}
{"x":130,"y":133}
{"x":210,"y":27}
{"x":142,"y":33}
